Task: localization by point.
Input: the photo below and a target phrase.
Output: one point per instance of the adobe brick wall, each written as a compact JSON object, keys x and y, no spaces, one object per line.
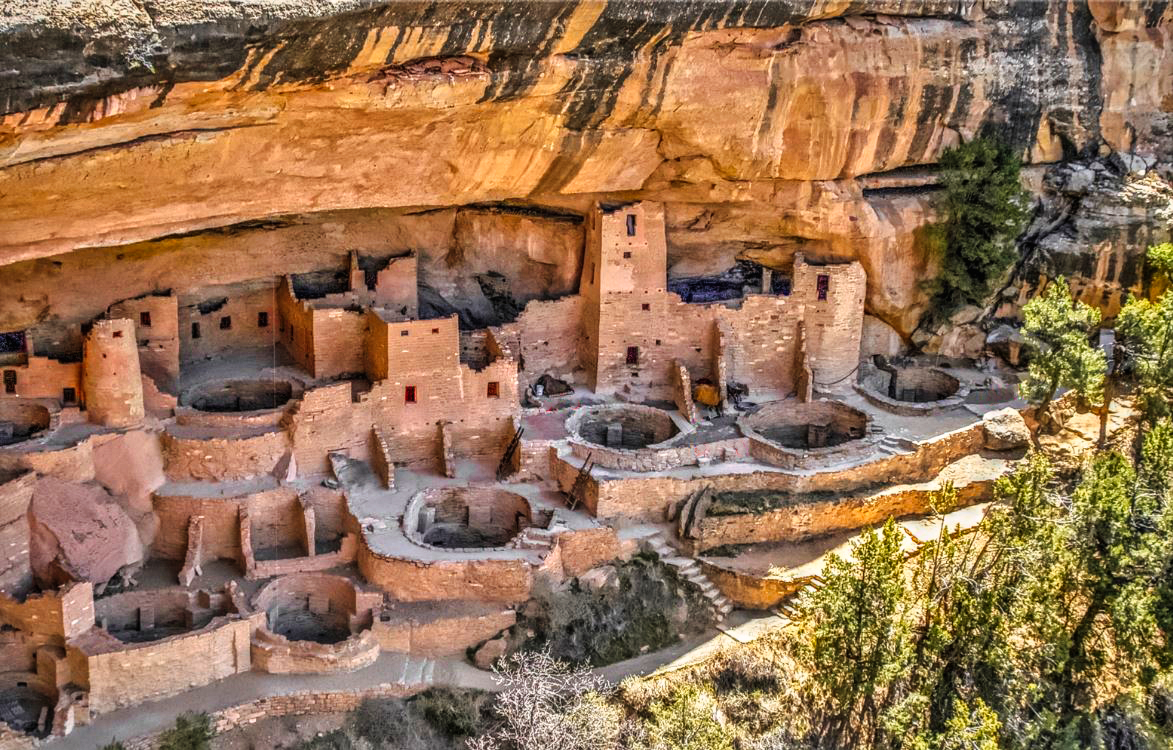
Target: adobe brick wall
{"x":647,"y":498}
{"x":397,"y":287}
{"x":61,"y":614}
{"x":276,"y":654}
{"x":158,"y":336}
{"x":134,"y":673}
{"x":71,"y":463}
{"x":812,"y":519}
{"x":587,"y":548}
{"x":190,"y":457}
{"x":834,"y":326}
{"x":15,"y":494}
{"x":243,"y":305}
{"x":327,"y":419}
{"x":546,"y":338}
{"x":44,"y":378}
{"x":111,"y":378}
{"x":221,"y":529}
{"x":441,"y":636}
{"x":506,"y":581}
{"x":750,"y":591}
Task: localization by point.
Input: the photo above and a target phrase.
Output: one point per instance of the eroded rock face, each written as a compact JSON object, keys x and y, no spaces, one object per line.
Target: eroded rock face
{"x":79,"y":533}
{"x":765,"y":126}
{"x":1005,"y":429}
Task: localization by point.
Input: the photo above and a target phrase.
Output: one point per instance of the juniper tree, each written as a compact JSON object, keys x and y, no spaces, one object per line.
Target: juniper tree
{"x":1057,"y":329}
{"x":985,"y":209}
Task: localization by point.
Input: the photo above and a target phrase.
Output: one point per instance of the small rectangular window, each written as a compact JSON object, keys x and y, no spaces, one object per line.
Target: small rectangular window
{"x":10,"y":381}
{"x":435,"y":330}
{"x":69,"y":395}
{"x":403,"y":333}
{"x":633,"y":355}
{"x":647,"y":306}
{"x":409,"y":394}
{"x":494,"y":390}
{"x":195,"y":330}
{"x":262,"y":319}
{"x":144,"y":319}
{"x":118,"y":334}
{"x":631,"y":225}
{"x":822,"y":285}
{"x":626,"y":255}
{"x":226,"y":323}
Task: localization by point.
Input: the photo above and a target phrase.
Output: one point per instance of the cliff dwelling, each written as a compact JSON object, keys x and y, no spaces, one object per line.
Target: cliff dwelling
{"x":348,"y":338}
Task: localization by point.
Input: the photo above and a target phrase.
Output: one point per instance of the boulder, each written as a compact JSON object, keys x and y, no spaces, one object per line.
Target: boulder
{"x":963,"y":342}
{"x":489,"y":652}
{"x":552,"y":386}
{"x":880,"y":338}
{"x":1005,"y":430}
{"x":79,"y":532}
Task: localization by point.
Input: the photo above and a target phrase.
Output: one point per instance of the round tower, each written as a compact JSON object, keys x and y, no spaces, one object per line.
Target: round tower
{"x":111,"y":378}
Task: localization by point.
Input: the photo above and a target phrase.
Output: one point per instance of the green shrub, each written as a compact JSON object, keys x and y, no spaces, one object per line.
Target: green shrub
{"x":455,"y":714}
{"x":985,"y":208}
{"x":191,"y":732}
{"x":686,"y":720}
{"x":380,"y":720}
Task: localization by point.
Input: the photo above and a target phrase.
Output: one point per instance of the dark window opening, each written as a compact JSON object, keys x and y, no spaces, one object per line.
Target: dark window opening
{"x":10,"y":381}
{"x":657,"y":342}
{"x":494,"y":390}
{"x":592,"y":274}
{"x":69,"y":395}
{"x":262,"y":319}
{"x":226,"y":323}
{"x":631,"y":225}
{"x":627,"y":255}
{"x":195,"y":330}
{"x":435,"y":330}
{"x":144,"y":319}
{"x":118,"y":334}
{"x":646,"y":306}
{"x":403,"y":333}
{"x":633,"y":355}
{"x":12,"y":343}
{"x":780,"y":285}
{"x":822,"y":285}
{"x":409,"y":394}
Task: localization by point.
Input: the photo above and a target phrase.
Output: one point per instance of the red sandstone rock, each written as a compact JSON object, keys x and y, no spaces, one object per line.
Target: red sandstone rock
{"x":489,"y":652}
{"x":79,"y":533}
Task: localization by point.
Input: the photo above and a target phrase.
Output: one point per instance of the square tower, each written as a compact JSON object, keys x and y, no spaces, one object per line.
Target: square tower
{"x":624,"y":280}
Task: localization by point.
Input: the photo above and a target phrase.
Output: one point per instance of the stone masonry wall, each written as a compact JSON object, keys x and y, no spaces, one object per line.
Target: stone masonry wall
{"x":156,"y":319}
{"x":507,"y":581}
{"x":188,"y":456}
{"x":15,"y":495}
{"x":111,"y":376}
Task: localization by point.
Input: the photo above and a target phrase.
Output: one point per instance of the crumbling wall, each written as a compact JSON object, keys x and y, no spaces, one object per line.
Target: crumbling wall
{"x":327,"y":419}
{"x":61,"y":614}
{"x":156,"y":320}
{"x":189,"y":455}
{"x":545,"y":338}
{"x":397,"y":288}
{"x":15,"y":494}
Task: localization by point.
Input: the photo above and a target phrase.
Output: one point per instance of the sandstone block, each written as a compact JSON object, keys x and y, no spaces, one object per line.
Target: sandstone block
{"x":489,"y":652}
{"x":1005,"y":429}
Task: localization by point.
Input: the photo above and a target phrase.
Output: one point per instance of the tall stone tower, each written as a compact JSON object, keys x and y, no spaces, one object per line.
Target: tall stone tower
{"x":111,"y":378}
{"x":624,"y":280}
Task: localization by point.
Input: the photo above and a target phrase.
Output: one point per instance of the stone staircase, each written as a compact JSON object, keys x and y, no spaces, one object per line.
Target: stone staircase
{"x":689,"y":570}
{"x":417,"y":672}
{"x":891,"y":445}
{"x":534,"y":538}
{"x":790,"y":609}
